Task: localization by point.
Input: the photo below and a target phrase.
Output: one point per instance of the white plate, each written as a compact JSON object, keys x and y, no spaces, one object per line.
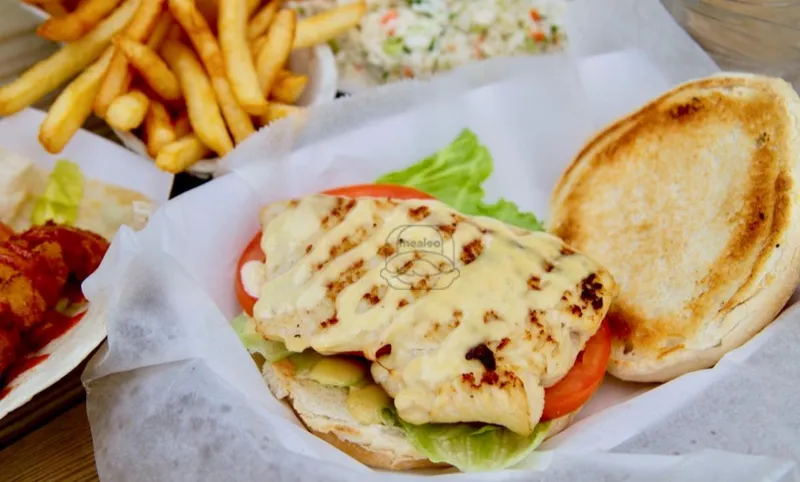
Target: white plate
{"x":318,"y":63}
{"x":94,"y":155}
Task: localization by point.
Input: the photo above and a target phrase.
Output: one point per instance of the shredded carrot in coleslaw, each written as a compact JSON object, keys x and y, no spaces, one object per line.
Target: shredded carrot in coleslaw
{"x":389,"y":16}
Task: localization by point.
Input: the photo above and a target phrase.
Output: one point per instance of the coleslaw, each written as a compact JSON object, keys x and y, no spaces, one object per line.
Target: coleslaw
{"x":400,"y":39}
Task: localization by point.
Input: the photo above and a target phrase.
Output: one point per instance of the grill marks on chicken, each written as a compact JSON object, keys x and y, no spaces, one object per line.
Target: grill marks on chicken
{"x":444,"y":291}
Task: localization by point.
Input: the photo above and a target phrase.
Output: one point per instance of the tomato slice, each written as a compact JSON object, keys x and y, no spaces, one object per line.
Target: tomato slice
{"x":582,"y":380}
{"x":253,"y":250}
{"x":378,"y":190}
{"x":251,"y":253}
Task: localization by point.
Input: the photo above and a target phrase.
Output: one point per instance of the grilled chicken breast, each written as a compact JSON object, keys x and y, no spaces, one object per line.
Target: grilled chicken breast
{"x":466,"y":319}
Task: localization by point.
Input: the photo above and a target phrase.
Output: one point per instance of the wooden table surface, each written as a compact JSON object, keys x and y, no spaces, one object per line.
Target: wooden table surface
{"x":60,"y":450}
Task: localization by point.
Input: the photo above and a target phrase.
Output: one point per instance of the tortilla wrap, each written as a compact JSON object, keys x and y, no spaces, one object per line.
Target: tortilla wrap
{"x":103,"y":207}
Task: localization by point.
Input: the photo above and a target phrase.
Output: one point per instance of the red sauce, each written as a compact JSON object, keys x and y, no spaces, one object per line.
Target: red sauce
{"x":18,"y":368}
{"x":72,"y":292}
{"x":51,"y":327}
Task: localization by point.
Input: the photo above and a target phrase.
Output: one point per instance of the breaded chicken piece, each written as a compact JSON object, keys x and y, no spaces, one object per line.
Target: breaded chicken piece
{"x":5,"y":232}
{"x":10,"y":347}
{"x":82,"y":250}
{"x":35,"y":266}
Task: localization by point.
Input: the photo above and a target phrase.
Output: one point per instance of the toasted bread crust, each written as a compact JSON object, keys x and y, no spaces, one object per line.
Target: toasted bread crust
{"x":376,"y":460}
{"x":385,"y":460}
{"x":697,"y":190}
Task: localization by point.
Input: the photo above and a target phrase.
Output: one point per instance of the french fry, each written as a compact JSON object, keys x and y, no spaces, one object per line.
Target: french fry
{"x":160,"y":30}
{"x":151,"y":68}
{"x":262,"y":19}
{"x":327,"y":25}
{"x":279,"y":111}
{"x":158,"y":129}
{"x":54,"y":9}
{"x":40,"y":3}
{"x":238,"y":60}
{"x":50,"y":73}
{"x":275,"y":52}
{"x":65,"y":6}
{"x":256,"y":46}
{"x":185,"y":13}
{"x":118,"y":77}
{"x":127,"y":111}
{"x":182,"y":125}
{"x":252,"y":5}
{"x":179,"y":155}
{"x":71,"y":27}
{"x":72,"y":106}
{"x":209,"y":10}
{"x":147,"y":17}
{"x":204,"y":112}
{"x":176,"y":33}
{"x":288,"y":87}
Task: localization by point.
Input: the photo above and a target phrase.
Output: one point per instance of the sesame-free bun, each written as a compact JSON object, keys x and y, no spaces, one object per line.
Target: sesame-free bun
{"x":691,"y":203}
{"x":323,"y":411}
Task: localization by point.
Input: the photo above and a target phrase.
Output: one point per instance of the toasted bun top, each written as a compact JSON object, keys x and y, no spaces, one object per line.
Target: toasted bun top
{"x":690,"y":203}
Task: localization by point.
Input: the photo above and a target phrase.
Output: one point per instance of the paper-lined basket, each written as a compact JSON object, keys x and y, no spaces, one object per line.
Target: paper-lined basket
{"x":317,"y":63}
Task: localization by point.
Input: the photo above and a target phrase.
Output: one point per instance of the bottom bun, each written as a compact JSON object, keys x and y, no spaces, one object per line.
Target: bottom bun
{"x":377,"y":460}
{"x":323,"y":411}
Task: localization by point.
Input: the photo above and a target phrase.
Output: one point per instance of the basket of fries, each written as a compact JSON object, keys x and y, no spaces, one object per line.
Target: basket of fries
{"x":181,"y":82}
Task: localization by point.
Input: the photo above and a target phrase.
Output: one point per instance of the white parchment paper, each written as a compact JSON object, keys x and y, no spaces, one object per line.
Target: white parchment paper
{"x":174,"y":396}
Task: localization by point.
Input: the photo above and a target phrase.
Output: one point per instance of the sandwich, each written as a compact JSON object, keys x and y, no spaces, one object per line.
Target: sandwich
{"x":55,"y":228}
{"x":30,"y":196}
{"x":411,"y":335}
{"x":691,"y":203}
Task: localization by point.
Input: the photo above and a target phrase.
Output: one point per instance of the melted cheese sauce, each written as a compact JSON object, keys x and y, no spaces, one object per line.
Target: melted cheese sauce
{"x":253,"y":275}
{"x":466,"y":318}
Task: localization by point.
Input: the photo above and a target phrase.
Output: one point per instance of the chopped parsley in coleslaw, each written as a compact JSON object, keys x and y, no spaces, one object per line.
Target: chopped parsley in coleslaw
{"x":400,"y":39}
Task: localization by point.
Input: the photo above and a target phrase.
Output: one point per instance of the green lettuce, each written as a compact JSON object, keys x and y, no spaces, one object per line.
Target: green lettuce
{"x":393,"y":46}
{"x":254,"y":342}
{"x":455,"y":176}
{"x":508,"y":212}
{"x":62,"y":195}
{"x":469,"y":447}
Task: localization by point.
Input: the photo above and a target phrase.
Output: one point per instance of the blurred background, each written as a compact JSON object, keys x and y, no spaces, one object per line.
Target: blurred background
{"x":751,"y":35}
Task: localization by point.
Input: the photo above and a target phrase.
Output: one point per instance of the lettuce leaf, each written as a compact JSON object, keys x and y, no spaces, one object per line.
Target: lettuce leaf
{"x":254,"y":342}
{"x":469,"y":447}
{"x":62,"y":195}
{"x":455,"y":175}
{"x":508,"y":212}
